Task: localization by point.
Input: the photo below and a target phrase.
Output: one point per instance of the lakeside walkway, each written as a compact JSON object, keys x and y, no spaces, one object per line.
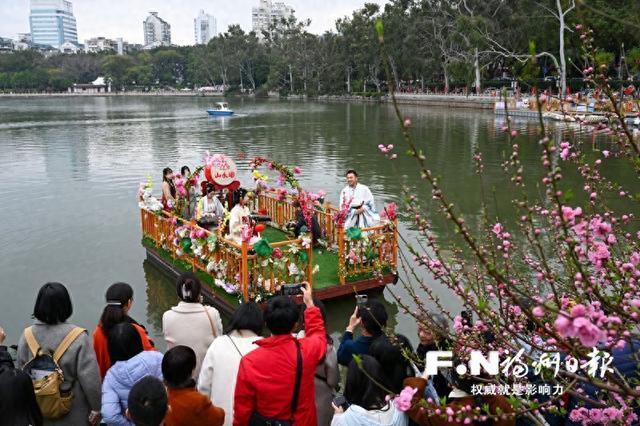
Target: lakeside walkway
{"x":435,"y":100}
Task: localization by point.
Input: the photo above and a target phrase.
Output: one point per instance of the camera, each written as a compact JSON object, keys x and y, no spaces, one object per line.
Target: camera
{"x":341,"y":401}
{"x":291,"y":289}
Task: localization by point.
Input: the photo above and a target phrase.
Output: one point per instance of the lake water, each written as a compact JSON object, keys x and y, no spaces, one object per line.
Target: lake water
{"x":70,"y":168}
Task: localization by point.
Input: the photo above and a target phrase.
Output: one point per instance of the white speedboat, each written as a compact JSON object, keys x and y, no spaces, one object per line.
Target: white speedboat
{"x":220,"y":109}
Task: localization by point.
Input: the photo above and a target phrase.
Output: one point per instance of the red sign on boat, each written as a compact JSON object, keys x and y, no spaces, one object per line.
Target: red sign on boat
{"x":221,"y":170}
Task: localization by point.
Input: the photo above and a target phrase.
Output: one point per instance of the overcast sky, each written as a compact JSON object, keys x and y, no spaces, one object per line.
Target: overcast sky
{"x":123,"y":18}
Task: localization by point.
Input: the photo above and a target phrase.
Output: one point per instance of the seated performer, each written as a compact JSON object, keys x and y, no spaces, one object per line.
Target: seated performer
{"x":302,"y":225}
{"x":240,"y":217}
{"x":358,"y":197}
{"x":209,"y":208}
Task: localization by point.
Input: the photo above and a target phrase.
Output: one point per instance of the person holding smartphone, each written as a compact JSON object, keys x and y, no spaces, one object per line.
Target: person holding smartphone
{"x":372,"y":316}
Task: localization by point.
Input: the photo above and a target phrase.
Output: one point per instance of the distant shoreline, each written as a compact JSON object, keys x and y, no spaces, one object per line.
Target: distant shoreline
{"x":433,"y":100}
{"x":115,"y":94}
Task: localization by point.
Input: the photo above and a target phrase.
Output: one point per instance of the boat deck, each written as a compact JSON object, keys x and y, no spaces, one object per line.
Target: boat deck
{"x":326,"y":282}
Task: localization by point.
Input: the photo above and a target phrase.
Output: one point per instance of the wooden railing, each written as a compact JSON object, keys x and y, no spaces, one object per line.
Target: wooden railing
{"x":242,"y":266}
{"x":374,"y":253}
{"x":283,"y":212}
{"x":382,"y":238}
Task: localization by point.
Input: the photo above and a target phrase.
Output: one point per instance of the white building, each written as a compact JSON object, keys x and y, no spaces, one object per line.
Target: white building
{"x":99,"y":44}
{"x":52,"y":23}
{"x":99,"y":85}
{"x":268,"y":12}
{"x":157,"y":31}
{"x":70,"y":48}
{"x":204,"y":27}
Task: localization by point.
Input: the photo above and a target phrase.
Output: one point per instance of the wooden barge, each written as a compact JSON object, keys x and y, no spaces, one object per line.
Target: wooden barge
{"x":347,"y":262}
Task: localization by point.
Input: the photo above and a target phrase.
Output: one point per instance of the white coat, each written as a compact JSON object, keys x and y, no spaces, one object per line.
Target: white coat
{"x":187,"y":324}
{"x":220,"y":369}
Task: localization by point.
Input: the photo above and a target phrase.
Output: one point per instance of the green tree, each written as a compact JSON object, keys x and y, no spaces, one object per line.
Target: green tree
{"x":168,"y":67}
{"x":116,"y":67}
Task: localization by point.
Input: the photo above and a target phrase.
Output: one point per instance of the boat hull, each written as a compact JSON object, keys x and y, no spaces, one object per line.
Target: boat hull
{"x":219,"y":113}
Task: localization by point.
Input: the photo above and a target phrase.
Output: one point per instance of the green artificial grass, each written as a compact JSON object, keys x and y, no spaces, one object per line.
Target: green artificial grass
{"x":327,"y":260}
{"x":185,"y":266}
{"x":327,"y":276}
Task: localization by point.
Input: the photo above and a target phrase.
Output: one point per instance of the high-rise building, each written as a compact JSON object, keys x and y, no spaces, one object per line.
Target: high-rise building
{"x":52,"y":23}
{"x":204,"y":27}
{"x":267,"y":13}
{"x":157,"y":31}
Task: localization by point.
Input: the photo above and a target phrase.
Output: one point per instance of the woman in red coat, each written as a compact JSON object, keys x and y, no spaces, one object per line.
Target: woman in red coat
{"x":267,"y":374}
{"x":119,"y":300}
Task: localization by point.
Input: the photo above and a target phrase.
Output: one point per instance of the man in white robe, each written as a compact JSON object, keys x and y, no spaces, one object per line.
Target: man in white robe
{"x":359,"y":199}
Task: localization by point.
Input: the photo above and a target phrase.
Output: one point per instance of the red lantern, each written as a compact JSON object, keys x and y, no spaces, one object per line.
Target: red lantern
{"x":260,"y":228}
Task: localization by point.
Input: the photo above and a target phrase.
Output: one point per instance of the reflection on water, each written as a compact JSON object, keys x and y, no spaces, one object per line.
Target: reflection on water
{"x":161,"y":296}
{"x":70,"y":169}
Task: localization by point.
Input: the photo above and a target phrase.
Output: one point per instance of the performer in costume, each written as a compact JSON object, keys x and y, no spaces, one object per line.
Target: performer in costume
{"x":240,"y":216}
{"x":168,"y":189}
{"x":359,"y":199}
{"x":209,"y":208}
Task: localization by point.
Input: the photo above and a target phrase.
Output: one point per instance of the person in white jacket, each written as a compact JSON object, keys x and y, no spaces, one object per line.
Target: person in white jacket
{"x":366,"y":396}
{"x":191,"y":323}
{"x":221,"y":363}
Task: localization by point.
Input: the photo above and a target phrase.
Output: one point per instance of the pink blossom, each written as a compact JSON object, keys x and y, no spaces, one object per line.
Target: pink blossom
{"x":564,"y":326}
{"x":246,"y":233}
{"x":569,"y":214}
{"x":497,"y":229}
{"x":297,"y":170}
{"x":458,"y":324}
{"x":277,"y":253}
{"x":578,"y":311}
{"x":605,"y":153}
{"x":588,"y":333}
{"x":598,"y":254}
{"x":578,"y":415}
{"x":611,"y":414}
{"x":538,"y":312}
{"x":403,"y":401}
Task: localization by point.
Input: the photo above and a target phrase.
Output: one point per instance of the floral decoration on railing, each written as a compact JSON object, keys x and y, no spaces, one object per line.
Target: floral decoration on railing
{"x":146,"y":200}
{"x":363,"y":249}
{"x":286,"y":175}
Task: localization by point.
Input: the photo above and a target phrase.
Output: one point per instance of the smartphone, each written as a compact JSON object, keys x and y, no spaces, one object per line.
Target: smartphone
{"x":291,"y":289}
{"x":341,"y":401}
{"x":361,"y":300}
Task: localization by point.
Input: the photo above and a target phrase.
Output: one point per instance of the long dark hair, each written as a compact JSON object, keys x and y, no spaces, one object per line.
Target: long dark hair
{"x":18,"y":406}
{"x":172,"y":186}
{"x":361,"y":389}
{"x":118,"y":295}
{"x":394,"y":354}
{"x":188,"y":287}
{"x":248,"y":316}
{"x":124,"y":342}
{"x":238,"y":194}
